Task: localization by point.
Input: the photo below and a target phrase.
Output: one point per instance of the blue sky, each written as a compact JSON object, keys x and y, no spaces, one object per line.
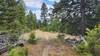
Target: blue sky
{"x":35,"y":5}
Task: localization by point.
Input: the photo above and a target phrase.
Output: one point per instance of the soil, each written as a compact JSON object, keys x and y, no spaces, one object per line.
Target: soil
{"x":46,"y":48}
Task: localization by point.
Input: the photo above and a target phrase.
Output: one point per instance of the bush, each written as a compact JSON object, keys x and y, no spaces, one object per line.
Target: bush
{"x":18,"y":51}
{"x":32,"y":39}
{"x":93,"y":40}
{"x":83,"y":50}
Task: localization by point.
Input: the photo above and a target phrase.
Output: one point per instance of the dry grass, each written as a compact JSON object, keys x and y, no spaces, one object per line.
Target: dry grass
{"x":46,"y":35}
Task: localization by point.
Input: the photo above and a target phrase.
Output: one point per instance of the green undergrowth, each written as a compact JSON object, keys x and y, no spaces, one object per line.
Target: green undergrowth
{"x":18,"y":51}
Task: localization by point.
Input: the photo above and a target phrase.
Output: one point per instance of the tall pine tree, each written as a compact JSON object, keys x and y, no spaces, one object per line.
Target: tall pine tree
{"x":70,"y":14}
{"x":21,"y":18}
{"x":31,"y":20}
{"x":44,"y":11}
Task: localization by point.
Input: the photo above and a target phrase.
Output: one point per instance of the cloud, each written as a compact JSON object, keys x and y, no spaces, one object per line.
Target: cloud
{"x":54,"y":0}
{"x":34,"y":6}
{"x":33,"y":3}
{"x":49,"y":6}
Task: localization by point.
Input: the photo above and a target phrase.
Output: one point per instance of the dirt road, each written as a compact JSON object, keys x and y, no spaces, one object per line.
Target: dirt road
{"x":50,"y":49}
{"x":45,"y":50}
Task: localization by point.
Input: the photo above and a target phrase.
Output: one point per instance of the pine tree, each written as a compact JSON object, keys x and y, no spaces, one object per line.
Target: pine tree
{"x":31,"y":20}
{"x":7,"y":15}
{"x":10,"y":15}
{"x":21,"y":18}
{"x":70,"y":14}
{"x":44,"y":11}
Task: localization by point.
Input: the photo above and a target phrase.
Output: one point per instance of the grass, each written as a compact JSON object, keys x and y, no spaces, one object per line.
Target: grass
{"x":18,"y":51}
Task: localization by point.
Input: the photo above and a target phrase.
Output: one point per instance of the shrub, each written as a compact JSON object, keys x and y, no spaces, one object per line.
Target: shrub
{"x":32,"y":39}
{"x":83,"y":50}
{"x":18,"y":51}
{"x":93,"y":40}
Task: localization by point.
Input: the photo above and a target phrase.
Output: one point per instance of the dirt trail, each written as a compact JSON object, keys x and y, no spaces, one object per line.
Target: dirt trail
{"x":45,"y":50}
{"x":47,"y":47}
{"x":50,"y":49}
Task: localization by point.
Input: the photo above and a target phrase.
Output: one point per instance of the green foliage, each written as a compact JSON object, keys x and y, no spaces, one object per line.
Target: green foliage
{"x":83,"y":50}
{"x":53,"y":25}
{"x":31,"y":21}
{"x":93,"y":40}
{"x":12,"y":17}
{"x":18,"y":51}
{"x":93,"y":35}
{"x":70,"y":15}
{"x":32,"y":39}
{"x":8,"y":15}
{"x":21,"y":18}
{"x":44,"y":11}
{"x":9,"y":47}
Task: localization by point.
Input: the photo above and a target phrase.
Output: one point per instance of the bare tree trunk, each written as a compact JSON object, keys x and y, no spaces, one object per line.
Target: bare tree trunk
{"x":83,"y":22}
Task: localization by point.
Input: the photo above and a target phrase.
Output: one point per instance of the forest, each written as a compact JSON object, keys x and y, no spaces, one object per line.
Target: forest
{"x":70,"y":28}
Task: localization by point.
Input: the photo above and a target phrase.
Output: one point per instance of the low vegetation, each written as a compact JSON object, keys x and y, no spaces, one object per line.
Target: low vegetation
{"x":93,"y":40}
{"x":18,"y":51}
{"x":32,"y":39}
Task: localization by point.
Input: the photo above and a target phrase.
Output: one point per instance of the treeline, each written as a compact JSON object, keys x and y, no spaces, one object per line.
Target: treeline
{"x":75,"y":17}
{"x":66,"y":16}
{"x":13,"y":17}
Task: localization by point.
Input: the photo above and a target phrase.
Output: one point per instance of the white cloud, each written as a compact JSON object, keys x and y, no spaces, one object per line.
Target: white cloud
{"x":49,"y":6}
{"x":33,"y":3}
{"x":54,"y":0}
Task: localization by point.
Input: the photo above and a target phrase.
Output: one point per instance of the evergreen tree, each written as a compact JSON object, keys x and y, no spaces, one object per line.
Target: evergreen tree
{"x":21,"y":18}
{"x":7,"y":14}
{"x":10,"y":13}
{"x":31,"y":20}
{"x":70,"y":12}
{"x":44,"y":11}
{"x":53,"y":25}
